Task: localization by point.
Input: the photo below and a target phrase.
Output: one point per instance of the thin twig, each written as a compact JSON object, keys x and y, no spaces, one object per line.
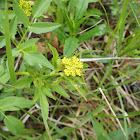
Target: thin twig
{"x":82,"y":135}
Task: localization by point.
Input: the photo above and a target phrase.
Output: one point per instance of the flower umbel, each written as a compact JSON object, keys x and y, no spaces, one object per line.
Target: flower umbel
{"x":26,"y":6}
{"x":72,"y":66}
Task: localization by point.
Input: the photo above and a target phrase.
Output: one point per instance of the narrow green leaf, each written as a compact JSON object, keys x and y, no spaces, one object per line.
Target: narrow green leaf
{"x":44,"y":106}
{"x":36,"y":96}
{"x":40,"y":7}
{"x":28,"y":43}
{"x":14,"y":125}
{"x":33,"y":58}
{"x":71,"y":44}
{"x":60,"y":90}
{"x":46,"y":91}
{"x":42,"y":27}
{"x":55,"y":56}
{"x":54,"y":51}
{"x":97,"y":31}
{"x":20,"y":14}
{"x":10,"y":103}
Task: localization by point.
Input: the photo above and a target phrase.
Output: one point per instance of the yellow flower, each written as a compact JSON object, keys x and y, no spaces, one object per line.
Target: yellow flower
{"x":72,"y":66}
{"x":26,"y":6}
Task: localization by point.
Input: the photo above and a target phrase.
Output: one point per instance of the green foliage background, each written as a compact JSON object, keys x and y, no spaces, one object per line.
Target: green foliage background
{"x":70,"y":107}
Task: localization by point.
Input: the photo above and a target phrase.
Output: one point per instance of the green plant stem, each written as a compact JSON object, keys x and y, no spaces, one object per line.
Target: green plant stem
{"x":8,"y":47}
{"x":22,"y":73}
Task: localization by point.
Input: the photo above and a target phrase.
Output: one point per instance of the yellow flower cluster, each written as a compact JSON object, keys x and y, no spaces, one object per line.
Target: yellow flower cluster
{"x":26,"y":6}
{"x":72,"y":66}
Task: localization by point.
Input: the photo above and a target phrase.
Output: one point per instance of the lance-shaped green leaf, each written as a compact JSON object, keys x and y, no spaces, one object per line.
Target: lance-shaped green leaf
{"x":13,"y":103}
{"x":33,"y":58}
{"x":42,"y":27}
{"x":14,"y":125}
{"x":20,"y":14}
{"x":60,"y":90}
{"x":55,"y":56}
{"x":46,"y":91}
{"x":44,"y":106}
{"x":71,"y":44}
{"x":40,"y":7}
{"x":36,"y":95}
{"x":28,"y":43}
{"x":97,"y":31}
